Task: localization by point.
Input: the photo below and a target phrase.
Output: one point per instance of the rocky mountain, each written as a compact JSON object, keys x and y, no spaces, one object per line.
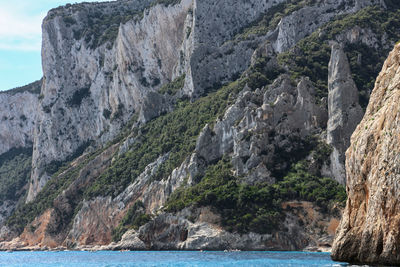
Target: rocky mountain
{"x":368,"y":232}
{"x":190,"y":124}
{"x":18,"y":118}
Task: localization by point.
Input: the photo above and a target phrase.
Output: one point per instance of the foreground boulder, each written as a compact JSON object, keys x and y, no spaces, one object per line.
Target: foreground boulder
{"x":369,"y":230}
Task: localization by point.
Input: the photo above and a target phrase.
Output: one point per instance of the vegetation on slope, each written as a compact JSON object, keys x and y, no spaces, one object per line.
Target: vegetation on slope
{"x":311,"y":56}
{"x":173,"y":87}
{"x":15,"y":170}
{"x":33,"y":88}
{"x":245,"y":208}
{"x":270,"y":20}
{"x":60,"y":181}
{"x":133,"y":219}
{"x":175,"y":133}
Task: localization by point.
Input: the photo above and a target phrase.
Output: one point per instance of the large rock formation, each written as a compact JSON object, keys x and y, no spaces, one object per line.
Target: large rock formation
{"x":108,"y":71}
{"x":18,"y":116}
{"x":104,"y":62}
{"x":344,"y":110}
{"x":96,"y":83}
{"x":17,"y":122}
{"x":93,"y":86}
{"x":369,"y":230}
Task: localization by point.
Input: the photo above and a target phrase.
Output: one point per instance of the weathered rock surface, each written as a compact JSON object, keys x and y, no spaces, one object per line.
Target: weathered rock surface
{"x":369,"y":230}
{"x":17,"y":122}
{"x":18,"y":116}
{"x":199,"y":229}
{"x":259,"y":126}
{"x":252,"y":114}
{"x":89,"y":93}
{"x":50,"y":229}
{"x":344,"y":110}
{"x":306,"y":20}
{"x":94,"y":83}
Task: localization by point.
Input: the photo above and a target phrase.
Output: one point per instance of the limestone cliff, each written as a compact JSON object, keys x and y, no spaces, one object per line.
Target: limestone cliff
{"x":146,"y":104}
{"x":369,"y":230}
{"x":18,"y":116}
{"x":96,"y":83}
{"x":344,"y":110}
{"x":17,"y":122}
{"x":104,"y":62}
{"x":90,"y":91}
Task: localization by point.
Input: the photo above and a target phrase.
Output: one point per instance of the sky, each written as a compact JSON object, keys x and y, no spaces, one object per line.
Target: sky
{"x":20,"y":40}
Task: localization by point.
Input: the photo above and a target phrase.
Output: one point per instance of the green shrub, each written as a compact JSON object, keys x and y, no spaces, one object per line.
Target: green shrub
{"x":133,"y":219}
{"x":15,"y":171}
{"x":106,"y":113}
{"x":245,"y":208}
{"x":78,"y":96}
{"x":173,"y":87}
{"x":310,"y":57}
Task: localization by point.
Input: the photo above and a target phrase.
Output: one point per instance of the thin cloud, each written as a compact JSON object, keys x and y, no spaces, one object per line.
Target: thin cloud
{"x":20,"y":23}
{"x":19,"y":28}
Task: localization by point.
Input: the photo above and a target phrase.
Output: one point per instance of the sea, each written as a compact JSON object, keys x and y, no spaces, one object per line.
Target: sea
{"x":166,"y":258}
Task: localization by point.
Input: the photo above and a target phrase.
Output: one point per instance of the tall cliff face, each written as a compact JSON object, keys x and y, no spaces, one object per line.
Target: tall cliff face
{"x":18,"y":117}
{"x":95,"y":83}
{"x":146,"y":104}
{"x":369,"y":230}
{"x":90,"y":91}
{"x":104,"y":62}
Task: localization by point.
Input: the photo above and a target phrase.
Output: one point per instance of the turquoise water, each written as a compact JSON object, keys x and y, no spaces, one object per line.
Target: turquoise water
{"x":170,"y":258}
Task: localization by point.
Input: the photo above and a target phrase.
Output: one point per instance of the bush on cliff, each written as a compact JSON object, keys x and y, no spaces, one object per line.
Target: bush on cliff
{"x":310,"y":57}
{"x":246,"y":208}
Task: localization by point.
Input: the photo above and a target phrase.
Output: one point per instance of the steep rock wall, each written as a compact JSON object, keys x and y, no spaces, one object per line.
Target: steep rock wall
{"x":97,"y":75}
{"x":96,"y":89}
{"x":17,"y":122}
{"x":368,"y":232}
{"x":344,"y":110}
{"x":89,"y":93}
{"x":18,"y":116}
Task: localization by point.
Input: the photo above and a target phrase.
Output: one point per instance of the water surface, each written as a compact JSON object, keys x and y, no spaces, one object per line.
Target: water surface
{"x":166,"y":258}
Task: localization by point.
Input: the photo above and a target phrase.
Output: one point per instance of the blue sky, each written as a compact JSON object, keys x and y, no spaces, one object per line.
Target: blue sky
{"x":20,"y":40}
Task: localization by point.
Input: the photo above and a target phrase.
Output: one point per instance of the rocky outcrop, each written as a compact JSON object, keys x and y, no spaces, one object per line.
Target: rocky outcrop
{"x":306,"y":20}
{"x":51,"y":228}
{"x":17,"y":122}
{"x":344,"y":110}
{"x":199,"y":229}
{"x":18,"y":116}
{"x":96,"y":79}
{"x":104,"y":65}
{"x":98,"y":88}
{"x":89,"y":92}
{"x":256,"y":129}
{"x":369,"y":230}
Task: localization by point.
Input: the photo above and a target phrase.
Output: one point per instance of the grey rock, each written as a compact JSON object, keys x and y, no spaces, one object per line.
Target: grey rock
{"x":344,"y":110}
{"x":171,"y":232}
{"x":17,"y":119}
{"x":82,"y":83}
